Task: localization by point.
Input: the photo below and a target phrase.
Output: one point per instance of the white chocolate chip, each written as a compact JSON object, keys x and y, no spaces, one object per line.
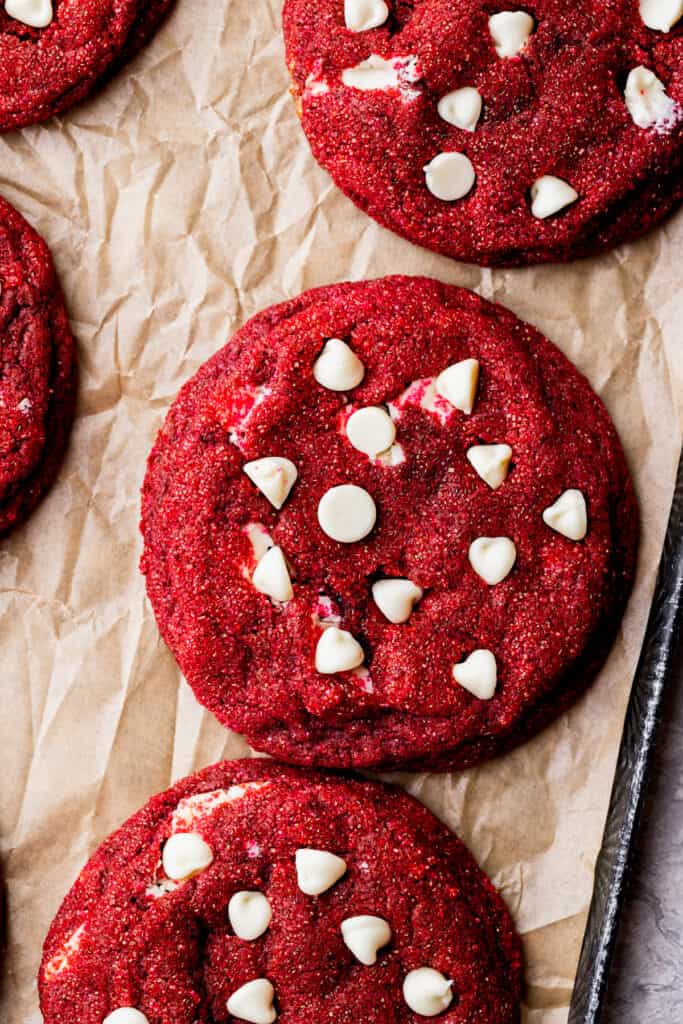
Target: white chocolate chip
{"x":337,"y":651}
{"x":274,"y":478}
{"x":35,"y":13}
{"x":510,"y":31}
{"x":185,"y":854}
{"x":250,"y":914}
{"x":492,"y":558}
{"x":364,"y":936}
{"x":458,"y":384}
{"x":427,"y":991}
{"x":271,"y":576}
{"x":568,"y":515}
{"x":661,"y":15}
{"x":347,"y":513}
{"x":396,"y":598}
{"x":125,"y":1015}
{"x":253,"y":1002}
{"x":462,"y":108}
{"x":378,"y":73}
{"x":647,"y":102}
{"x":371,"y":430}
{"x":478,"y":674}
{"x":317,"y":871}
{"x":361,"y":15}
{"x":338,"y":368}
{"x":449,"y":176}
{"x":491,"y":462}
{"x":549,"y":195}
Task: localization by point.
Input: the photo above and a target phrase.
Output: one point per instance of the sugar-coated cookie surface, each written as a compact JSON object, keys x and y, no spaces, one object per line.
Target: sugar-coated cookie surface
{"x":37,"y":369}
{"x":495,"y":133}
{"x":254,"y":892}
{"x":53,"y":53}
{"x":432,"y":603}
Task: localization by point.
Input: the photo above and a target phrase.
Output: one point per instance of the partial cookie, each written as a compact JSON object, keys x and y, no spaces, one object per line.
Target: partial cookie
{"x":331,"y":599}
{"x":493,"y":134}
{"x":37,"y":369}
{"x":258,"y":893}
{"x":53,"y":53}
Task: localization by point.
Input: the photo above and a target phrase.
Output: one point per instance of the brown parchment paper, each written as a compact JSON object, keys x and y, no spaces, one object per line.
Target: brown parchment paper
{"x":177,"y":203}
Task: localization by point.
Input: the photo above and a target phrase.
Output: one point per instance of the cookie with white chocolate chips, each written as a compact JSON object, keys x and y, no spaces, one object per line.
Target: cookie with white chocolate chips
{"x":496,"y":134}
{"x":37,"y":370}
{"x":434,"y":553}
{"x":296,"y":898}
{"x":54,"y":53}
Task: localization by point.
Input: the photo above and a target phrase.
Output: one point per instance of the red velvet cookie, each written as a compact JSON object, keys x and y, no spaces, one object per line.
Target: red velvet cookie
{"x":252,"y":892}
{"x":388,"y":524}
{"x":494,"y":133}
{"x":53,"y":53}
{"x":37,"y":369}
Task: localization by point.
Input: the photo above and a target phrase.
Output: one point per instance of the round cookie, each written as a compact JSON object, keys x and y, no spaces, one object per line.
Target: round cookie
{"x":53,"y":53}
{"x":254,"y":892}
{"x":496,"y":134}
{"x":37,"y":369}
{"x":419,"y":605}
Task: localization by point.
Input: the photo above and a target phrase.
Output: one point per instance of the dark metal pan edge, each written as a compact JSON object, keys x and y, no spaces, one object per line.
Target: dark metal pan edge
{"x":628,"y":791}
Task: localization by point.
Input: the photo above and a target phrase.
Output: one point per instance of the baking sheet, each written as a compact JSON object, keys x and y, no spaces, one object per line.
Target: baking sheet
{"x":655,"y":679}
{"x":178,"y":203}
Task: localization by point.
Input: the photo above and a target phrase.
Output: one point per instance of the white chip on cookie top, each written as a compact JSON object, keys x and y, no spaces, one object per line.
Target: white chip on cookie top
{"x":271,"y":576}
{"x":647,"y":101}
{"x":510,"y":31}
{"x":478,"y":674}
{"x":318,"y":870}
{"x":347,"y":513}
{"x":338,"y":368}
{"x":253,"y":1002}
{"x":427,"y":991}
{"x":337,"y":651}
{"x":492,"y":558}
{"x":362,"y":15}
{"x":549,"y":195}
{"x":458,"y":384}
{"x":185,"y":854}
{"x":249,"y":914}
{"x":365,"y":935}
{"x":396,"y":598}
{"x":491,"y":462}
{"x":568,"y":515}
{"x":274,"y":477}
{"x":461,"y":108}
{"x":193,"y":809}
{"x":384,"y":73}
{"x":125,"y":1015}
{"x":450,"y":176}
{"x":661,"y":15}
{"x":371,"y":430}
{"x":34,"y":13}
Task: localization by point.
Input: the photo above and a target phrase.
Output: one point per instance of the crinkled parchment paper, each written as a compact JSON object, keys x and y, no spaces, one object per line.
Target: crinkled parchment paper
{"x":178,"y":203}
